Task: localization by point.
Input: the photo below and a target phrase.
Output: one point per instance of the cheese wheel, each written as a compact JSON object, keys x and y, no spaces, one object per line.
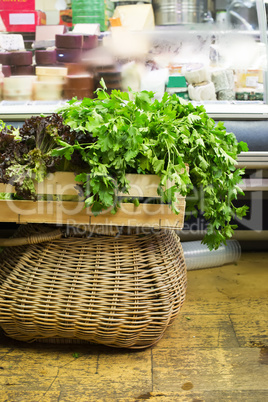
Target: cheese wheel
{"x":82,"y":81}
{"x":76,"y":68}
{"x":68,"y":55}
{"x":11,"y":42}
{"x":19,"y":82}
{"x":5,"y":58}
{"x":22,"y":70}
{"x":223,"y":79}
{"x":51,"y":71}
{"x":90,"y":41}
{"x":226,"y":94}
{"x":69,"y":41}
{"x":196,"y":73}
{"x":47,"y":90}
{"x":18,"y":87}
{"x":6,"y":70}
{"x":21,"y":58}
{"x":45,"y":57}
{"x":201,"y":92}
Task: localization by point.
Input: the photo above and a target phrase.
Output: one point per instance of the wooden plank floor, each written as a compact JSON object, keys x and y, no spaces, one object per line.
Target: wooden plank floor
{"x":216,"y":350}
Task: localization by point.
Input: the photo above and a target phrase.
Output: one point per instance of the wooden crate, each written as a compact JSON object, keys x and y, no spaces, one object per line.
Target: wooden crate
{"x":60,"y":211}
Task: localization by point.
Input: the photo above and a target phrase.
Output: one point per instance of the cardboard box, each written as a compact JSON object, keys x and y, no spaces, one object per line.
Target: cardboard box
{"x":17,"y":5}
{"x":87,"y":29}
{"x":136,"y":17}
{"x":22,"y":21}
{"x":48,"y":32}
{"x":66,"y":17}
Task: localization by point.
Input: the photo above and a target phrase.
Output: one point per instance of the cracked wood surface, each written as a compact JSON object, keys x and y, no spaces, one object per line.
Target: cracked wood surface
{"x":216,"y":350}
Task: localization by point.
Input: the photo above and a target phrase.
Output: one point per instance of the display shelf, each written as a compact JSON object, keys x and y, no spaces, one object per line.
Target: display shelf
{"x":20,"y":110}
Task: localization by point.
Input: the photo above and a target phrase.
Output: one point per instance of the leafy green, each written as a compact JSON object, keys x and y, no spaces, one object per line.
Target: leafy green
{"x":136,"y":133}
{"x":5,"y":196}
{"x":25,"y":152}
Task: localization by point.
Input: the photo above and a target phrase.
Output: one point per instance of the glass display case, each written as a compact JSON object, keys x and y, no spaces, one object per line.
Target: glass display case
{"x":212,"y":52}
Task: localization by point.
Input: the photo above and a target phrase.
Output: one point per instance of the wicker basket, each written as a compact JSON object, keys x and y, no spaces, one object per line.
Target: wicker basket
{"x":119,"y":291}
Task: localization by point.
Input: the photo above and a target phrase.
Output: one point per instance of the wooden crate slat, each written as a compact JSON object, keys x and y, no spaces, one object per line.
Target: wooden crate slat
{"x":142,"y":185}
{"x":63,"y":183}
{"x":74,"y":213}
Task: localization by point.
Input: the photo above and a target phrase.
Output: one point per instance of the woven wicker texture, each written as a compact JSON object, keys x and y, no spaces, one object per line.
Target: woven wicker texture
{"x":119,"y":291}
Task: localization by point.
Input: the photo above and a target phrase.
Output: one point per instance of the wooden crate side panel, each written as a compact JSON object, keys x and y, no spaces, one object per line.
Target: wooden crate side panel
{"x":74,"y":213}
{"x":63,"y":183}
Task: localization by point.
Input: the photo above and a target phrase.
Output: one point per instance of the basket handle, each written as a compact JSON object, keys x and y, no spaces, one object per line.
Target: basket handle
{"x":33,"y":239}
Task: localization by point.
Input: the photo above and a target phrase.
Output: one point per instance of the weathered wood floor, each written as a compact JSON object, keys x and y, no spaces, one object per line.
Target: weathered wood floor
{"x":216,"y":350}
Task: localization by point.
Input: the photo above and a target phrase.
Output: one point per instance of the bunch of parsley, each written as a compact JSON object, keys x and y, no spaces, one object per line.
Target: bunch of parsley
{"x":134,"y":133}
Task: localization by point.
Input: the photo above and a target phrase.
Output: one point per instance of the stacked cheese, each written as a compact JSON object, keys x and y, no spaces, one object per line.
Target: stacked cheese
{"x":71,"y":47}
{"x":79,"y":85}
{"x":17,"y":68}
{"x":5,"y":61}
{"x":21,"y":63}
{"x":49,"y":83}
{"x":200,"y":87}
{"x":14,"y":58}
{"x":17,"y":63}
{"x":57,"y":73}
{"x":18,"y":87}
{"x":68,"y":48}
{"x":45,"y":57}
